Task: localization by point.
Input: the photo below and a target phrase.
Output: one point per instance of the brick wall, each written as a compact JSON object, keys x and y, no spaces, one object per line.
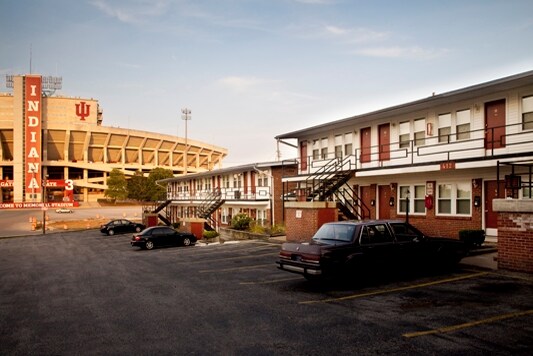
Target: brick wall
{"x":515,"y":234}
{"x":443,"y":226}
{"x":303,"y":219}
{"x":277,"y":191}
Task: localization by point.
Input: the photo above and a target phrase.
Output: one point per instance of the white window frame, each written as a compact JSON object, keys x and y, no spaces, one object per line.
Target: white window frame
{"x":463,"y":118}
{"x":419,"y":128}
{"x":454,"y":199}
{"x":527,"y":109}
{"x":445,"y":123}
{"x":417,"y":195}
{"x":405,"y":132}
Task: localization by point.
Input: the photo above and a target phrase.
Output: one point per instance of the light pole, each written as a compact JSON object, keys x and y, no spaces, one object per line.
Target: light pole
{"x":186,"y":115}
{"x":43,"y":194}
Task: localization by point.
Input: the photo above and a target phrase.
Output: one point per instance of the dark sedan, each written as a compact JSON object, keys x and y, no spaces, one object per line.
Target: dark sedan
{"x":162,"y":236}
{"x":372,"y":244}
{"x":121,"y":226}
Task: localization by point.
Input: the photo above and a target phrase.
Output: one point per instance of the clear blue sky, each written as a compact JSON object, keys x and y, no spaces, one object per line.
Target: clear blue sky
{"x":252,"y":69}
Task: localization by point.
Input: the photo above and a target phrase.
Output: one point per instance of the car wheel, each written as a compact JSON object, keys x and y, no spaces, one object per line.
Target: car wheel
{"x":137,"y":229}
{"x":111,"y":232}
{"x":186,"y":241}
{"x":149,"y":245}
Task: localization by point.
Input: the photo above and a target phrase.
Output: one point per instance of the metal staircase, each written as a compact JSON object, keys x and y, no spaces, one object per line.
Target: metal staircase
{"x":160,"y":210}
{"x":209,"y":205}
{"x":330,"y":181}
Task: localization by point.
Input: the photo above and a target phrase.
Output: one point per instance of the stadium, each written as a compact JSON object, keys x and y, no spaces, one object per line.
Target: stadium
{"x":55,"y":152}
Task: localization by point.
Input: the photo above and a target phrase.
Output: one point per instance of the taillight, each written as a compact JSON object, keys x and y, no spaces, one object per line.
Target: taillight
{"x":311,"y":258}
{"x":137,"y":238}
{"x":285,"y":254}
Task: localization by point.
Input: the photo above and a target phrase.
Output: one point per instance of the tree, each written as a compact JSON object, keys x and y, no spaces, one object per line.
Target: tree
{"x":158,"y":192}
{"x":116,"y":185}
{"x":138,"y":187}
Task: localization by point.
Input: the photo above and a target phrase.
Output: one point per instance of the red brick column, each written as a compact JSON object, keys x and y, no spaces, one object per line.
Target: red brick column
{"x":303,"y":219}
{"x":515,"y":234}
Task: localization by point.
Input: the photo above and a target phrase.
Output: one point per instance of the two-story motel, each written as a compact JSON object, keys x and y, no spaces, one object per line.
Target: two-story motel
{"x":253,"y":189}
{"x":439,"y":161}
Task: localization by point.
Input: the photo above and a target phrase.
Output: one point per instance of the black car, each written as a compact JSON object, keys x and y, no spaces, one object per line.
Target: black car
{"x":121,"y":226}
{"x":372,"y":244}
{"x":162,"y":236}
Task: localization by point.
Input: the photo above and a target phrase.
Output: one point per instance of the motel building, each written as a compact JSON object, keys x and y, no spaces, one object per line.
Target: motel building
{"x":215,"y":197}
{"x":54,"y":150}
{"x":441,"y":162}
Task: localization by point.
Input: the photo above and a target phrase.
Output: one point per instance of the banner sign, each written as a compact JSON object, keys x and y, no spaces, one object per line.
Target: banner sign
{"x":33,"y":138}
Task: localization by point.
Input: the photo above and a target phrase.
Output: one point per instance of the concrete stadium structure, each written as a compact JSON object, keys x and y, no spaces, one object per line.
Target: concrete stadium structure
{"x":57,"y":145}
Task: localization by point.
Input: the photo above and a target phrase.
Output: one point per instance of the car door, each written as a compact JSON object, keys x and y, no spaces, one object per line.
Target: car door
{"x":167,"y":236}
{"x":377,"y":245}
{"x":158,"y":237}
{"x":118,"y":227}
{"x":409,"y":240}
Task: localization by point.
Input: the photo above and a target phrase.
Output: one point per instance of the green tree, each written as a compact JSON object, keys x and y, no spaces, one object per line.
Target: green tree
{"x":138,"y":187}
{"x":116,"y":185}
{"x":156,"y":191}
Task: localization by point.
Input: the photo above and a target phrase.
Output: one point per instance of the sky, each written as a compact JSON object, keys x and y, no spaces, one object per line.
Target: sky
{"x":249,"y":70}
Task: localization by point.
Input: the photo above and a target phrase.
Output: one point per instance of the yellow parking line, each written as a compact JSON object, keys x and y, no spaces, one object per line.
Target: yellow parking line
{"x":354,"y":296}
{"x":448,"y":329}
{"x":234,"y":268}
{"x":271,"y":281}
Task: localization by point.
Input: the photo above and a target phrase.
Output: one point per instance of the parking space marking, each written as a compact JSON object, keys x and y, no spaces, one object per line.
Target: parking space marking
{"x":355,"y":296}
{"x":452,"y":328}
{"x":234,"y":268}
{"x":271,"y":281}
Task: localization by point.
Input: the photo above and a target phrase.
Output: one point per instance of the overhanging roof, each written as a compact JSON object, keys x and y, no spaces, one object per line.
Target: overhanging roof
{"x":474,"y":91}
{"x":234,"y":169}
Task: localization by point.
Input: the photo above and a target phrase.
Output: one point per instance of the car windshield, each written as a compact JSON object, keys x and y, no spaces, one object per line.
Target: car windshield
{"x":335,"y":232}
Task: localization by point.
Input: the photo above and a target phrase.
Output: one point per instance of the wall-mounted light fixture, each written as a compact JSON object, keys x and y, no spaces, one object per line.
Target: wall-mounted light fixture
{"x":391,"y":201}
{"x":372,"y":202}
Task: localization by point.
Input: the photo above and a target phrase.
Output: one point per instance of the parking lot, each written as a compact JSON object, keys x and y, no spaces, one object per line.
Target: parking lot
{"x":85,"y":293}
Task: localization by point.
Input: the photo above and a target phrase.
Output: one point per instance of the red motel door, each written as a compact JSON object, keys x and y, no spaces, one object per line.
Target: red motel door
{"x":303,"y":156}
{"x":491,"y":192}
{"x":384,"y":142}
{"x":384,"y":197}
{"x":495,"y":124}
{"x":365,"y":145}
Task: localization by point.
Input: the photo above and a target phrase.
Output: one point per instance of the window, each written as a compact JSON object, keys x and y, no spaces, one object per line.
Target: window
{"x":324,"y":148}
{"x":445,"y":129}
{"x":527,"y":193}
{"x":405,"y":232}
{"x":324,"y":153}
{"x":348,"y":149}
{"x":338,"y":151}
{"x":225,"y":182}
{"x":420,"y":132}
{"x":463,"y":124}
{"x":527,"y":112}
{"x":417,"y":195}
{"x":338,"y":146}
{"x":237,"y":180}
{"x":348,"y":144}
{"x":335,"y":232}
{"x":262,"y":181}
{"x":316,"y":149}
{"x":375,"y":234}
{"x":454,"y":199}
{"x":404,"y":134}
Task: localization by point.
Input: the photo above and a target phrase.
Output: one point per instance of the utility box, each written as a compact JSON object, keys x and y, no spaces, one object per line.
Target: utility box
{"x":193,"y":225}
{"x":150,"y":220}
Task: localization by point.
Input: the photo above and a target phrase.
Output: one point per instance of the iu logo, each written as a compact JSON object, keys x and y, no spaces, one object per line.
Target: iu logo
{"x":82,"y":110}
